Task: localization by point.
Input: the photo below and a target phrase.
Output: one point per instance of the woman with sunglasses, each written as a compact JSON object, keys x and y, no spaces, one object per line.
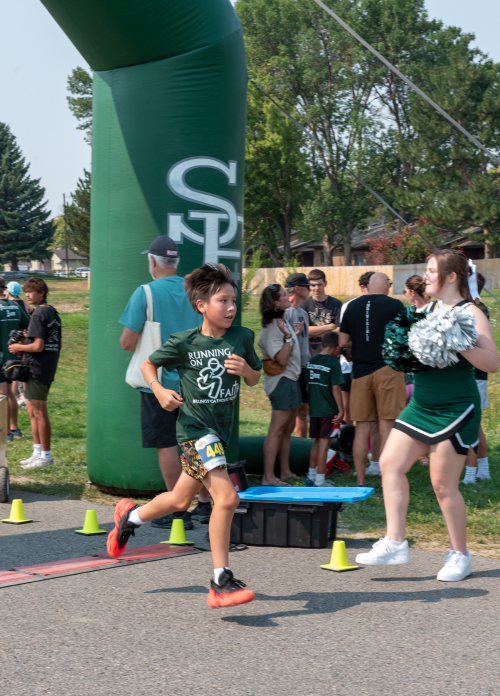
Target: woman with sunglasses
{"x":443,"y":416}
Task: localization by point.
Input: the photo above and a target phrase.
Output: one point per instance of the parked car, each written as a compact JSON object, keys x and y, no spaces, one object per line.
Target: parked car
{"x":82,"y":272}
{"x":64,"y":273}
{"x":14,"y":275}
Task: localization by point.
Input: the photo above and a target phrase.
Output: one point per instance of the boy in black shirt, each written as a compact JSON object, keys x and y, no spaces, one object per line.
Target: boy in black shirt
{"x":323,"y":310}
{"x":324,"y":377}
{"x":210,"y":360}
{"x":43,"y":348}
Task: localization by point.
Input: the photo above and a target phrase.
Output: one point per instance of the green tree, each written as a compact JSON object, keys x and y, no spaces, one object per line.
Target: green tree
{"x":80,"y":101}
{"x":25,"y":229}
{"x":312,"y":66}
{"x":277,"y":177}
{"x":77,"y":214}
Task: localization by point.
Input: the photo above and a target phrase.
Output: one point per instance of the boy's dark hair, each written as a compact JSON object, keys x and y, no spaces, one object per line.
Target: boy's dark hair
{"x":316,"y":274}
{"x":364,"y":279}
{"x":204,"y":282}
{"x":267,"y":304}
{"x":330,"y":339}
{"x":38,"y":285}
{"x":481,"y":280}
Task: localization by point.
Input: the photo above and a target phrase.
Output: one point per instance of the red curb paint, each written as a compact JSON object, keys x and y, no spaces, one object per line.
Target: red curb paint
{"x":9,"y":576}
{"x":153,"y":551}
{"x":67,"y":565}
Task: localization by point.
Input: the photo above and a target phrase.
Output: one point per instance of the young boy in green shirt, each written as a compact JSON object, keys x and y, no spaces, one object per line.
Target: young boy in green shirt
{"x":210,"y":360}
{"x":324,"y":377}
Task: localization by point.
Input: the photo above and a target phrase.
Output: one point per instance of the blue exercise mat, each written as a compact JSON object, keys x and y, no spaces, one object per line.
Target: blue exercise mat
{"x":310,"y":494}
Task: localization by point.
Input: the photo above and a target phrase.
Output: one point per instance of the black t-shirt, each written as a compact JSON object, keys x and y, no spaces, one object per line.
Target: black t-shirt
{"x":321,"y":314}
{"x":44,"y":323}
{"x":364,"y":320}
{"x":479,"y":374}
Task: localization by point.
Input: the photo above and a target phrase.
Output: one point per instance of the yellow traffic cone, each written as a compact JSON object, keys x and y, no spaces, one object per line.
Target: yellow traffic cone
{"x":90,"y":525}
{"x":339,"y":561}
{"x":177,"y":534}
{"x":17,"y":513}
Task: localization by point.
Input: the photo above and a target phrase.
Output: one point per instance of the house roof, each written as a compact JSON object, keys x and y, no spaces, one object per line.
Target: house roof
{"x":61,"y":253}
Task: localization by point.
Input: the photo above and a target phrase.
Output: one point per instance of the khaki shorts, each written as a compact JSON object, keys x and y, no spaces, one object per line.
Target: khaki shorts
{"x":379,"y":396}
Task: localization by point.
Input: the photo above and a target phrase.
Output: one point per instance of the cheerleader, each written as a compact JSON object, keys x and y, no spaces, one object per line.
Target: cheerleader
{"x":443,"y":416}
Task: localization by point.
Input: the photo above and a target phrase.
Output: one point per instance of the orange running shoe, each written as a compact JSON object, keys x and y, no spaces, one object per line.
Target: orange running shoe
{"x":117,"y":539}
{"x":229,"y":592}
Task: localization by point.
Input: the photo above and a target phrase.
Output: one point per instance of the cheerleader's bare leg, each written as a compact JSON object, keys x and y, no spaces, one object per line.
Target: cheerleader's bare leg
{"x":445,"y":469}
{"x":398,"y":456}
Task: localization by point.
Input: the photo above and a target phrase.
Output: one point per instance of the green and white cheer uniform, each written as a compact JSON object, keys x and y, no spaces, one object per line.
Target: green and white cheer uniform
{"x":445,"y":406}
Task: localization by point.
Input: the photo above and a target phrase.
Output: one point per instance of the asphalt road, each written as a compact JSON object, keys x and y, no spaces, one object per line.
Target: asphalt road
{"x":146,"y":629}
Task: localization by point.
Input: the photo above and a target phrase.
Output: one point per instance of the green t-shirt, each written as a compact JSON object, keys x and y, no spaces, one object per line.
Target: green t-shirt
{"x":12,"y":317}
{"x":322,"y":373}
{"x":208,"y":391}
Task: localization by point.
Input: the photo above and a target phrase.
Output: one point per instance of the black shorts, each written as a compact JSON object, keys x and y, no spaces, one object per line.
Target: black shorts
{"x":346,"y":387}
{"x":157,"y":425}
{"x":303,"y":386}
{"x":320,"y":427}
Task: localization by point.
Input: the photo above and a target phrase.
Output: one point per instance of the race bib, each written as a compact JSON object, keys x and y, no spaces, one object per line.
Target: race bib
{"x":211,"y":451}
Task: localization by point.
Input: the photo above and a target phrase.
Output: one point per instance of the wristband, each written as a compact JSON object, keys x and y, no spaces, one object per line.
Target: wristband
{"x":152,"y":381}
{"x":288,"y":340}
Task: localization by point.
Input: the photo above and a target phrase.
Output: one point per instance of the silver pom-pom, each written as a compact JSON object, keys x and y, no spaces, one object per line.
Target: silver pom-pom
{"x":437,"y":339}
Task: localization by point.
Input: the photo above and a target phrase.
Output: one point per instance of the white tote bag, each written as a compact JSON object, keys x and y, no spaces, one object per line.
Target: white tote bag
{"x":149,"y":340}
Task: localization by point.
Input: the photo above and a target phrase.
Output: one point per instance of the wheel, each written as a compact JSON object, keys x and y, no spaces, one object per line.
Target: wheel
{"x":4,"y":484}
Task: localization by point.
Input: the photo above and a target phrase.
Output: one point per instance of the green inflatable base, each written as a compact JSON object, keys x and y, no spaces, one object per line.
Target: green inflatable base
{"x":250,"y":449}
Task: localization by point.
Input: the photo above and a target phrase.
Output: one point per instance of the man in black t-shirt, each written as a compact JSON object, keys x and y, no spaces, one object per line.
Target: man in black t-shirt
{"x":42,"y":348}
{"x":377,"y":392}
{"x":322,"y":309}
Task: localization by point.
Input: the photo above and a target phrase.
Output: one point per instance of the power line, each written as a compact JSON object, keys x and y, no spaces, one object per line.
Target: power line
{"x":408,"y":82}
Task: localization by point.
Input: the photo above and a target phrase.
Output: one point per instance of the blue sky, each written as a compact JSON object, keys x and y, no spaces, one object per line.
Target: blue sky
{"x":36,"y":59}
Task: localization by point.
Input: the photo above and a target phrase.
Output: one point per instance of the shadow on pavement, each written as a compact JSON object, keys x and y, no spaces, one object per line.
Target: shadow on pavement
{"x":493,"y":573}
{"x":332,"y":602}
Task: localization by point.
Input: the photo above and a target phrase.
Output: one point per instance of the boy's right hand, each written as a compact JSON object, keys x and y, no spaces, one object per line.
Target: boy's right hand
{"x":168,"y":399}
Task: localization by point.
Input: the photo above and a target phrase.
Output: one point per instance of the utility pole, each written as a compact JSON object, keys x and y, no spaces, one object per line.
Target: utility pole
{"x":65,"y":234}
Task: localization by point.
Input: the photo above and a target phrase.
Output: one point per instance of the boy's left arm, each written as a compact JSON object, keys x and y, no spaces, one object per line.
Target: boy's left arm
{"x":337,"y":395}
{"x":236,"y":365}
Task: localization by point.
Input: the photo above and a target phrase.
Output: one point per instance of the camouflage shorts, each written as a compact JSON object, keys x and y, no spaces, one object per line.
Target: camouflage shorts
{"x":191,"y":462}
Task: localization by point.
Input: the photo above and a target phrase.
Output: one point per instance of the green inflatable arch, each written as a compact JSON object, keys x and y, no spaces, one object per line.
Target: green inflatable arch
{"x":168,"y":148}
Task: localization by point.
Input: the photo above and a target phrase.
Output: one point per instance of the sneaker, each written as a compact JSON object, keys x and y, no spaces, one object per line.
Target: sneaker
{"x":10,"y":437}
{"x":17,"y":434}
{"x":229,"y":592}
{"x":119,"y":536}
{"x":310,"y":482}
{"x":456,"y":567}
{"x":202,"y":511}
{"x":325,"y":484}
{"x":38,"y":463}
{"x":29,"y":460}
{"x":165,"y":522}
{"x":373,"y":471}
{"x":470,"y":475}
{"x":384,"y":553}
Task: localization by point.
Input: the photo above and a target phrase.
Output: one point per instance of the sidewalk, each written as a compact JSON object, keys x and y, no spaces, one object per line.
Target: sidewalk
{"x":146,"y":630}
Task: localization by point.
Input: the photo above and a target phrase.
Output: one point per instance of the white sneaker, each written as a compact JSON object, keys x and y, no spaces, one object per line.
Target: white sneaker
{"x":325,"y":484}
{"x":29,"y":460}
{"x":373,"y":470}
{"x":384,"y":553}
{"x":38,"y":463}
{"x":456,"y":567}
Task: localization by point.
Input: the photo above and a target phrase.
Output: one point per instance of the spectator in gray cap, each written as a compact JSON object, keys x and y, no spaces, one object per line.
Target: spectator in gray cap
{"x":297,"y":287}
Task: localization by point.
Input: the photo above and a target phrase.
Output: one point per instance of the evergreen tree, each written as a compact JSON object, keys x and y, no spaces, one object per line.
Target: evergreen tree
{"x":25,"y":229}
{"x":77,"y":214}
{"x":80,"y":101}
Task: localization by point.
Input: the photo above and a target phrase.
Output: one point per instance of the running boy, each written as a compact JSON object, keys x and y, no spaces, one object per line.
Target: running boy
{"x":210,"y":360}
{"x":324,"y":376}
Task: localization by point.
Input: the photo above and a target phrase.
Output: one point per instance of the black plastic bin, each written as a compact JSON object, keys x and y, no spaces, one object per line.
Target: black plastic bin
{"x":304,"y":525}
